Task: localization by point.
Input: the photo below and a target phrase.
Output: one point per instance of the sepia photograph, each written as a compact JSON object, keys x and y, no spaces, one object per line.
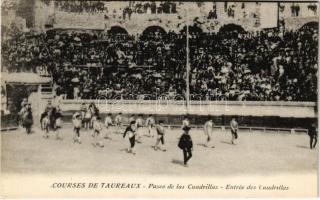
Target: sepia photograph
{"x":159,"y":99}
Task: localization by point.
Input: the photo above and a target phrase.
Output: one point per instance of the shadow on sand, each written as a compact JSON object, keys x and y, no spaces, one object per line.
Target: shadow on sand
{"x":303,"y":147}
{"x":225,"y":142}
{"x":177,"y":162}
{"x":202,"y":145}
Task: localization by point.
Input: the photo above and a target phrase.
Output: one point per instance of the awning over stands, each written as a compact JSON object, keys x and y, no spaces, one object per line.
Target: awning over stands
{"x":23,"y":78}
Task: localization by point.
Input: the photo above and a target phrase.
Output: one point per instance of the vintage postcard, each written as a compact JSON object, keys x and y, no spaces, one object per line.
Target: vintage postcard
{"x":170,"y":99}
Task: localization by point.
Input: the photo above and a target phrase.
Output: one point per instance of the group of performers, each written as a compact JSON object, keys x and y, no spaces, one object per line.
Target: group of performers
{"x":51,"y":119}
{"x":101,"y":130}
{"x":89,"y":118}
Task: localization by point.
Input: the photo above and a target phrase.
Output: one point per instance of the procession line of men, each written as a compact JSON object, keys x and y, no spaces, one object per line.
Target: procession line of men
{"x":134,"y":133}
{"x":51,"y":118}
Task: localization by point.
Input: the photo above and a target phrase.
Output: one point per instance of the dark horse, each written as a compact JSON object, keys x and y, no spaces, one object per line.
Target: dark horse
{"x":27,"y":120}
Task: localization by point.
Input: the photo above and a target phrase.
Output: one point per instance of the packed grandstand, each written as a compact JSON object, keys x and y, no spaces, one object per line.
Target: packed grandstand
{"x":231,"y":64}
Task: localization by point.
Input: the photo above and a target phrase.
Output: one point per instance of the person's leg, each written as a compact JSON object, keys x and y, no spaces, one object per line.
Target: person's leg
{"x":133,"y":142}
{"x":83,"y":119}
{"x":78,"y":135}
{"x":56,"y":130}
{"x":315,"y":141}
{"x":140,"y":134}
{"x":130,"y":145}
{"x":156,"y":146}
{"x":232,"y":137}
{"x":184,"y":156}
{"x":94,"y":133}
{"x":162,"y":142}
{"x":88,"y":124}
{"x":95,"y":137}
{"x":311,"y":142}
{"x":41,"y":124}
{"x":44,"y":131}
{"x":189,"y":154}
{"x":207,"y":137}
{"x":107,"y":133}
{"x":99,"y":139}
{"x":47,"y":131}
{"x":75,"y":135}
{"x":59,"y":133}
{"x":150,"y":131}
{"x":119,"y":128}
{"x":211,"y":139}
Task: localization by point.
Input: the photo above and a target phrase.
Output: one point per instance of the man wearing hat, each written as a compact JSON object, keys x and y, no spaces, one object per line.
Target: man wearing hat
{"x":76,"y":119}
{"x":118,"y":121}
{"x":186,"y":145}
{"x":160,"y":136}
{"x":234,"y":130}
{"x":313,"y":134}
{"x":139,"y":125}
{"x":22,"y":112}
{"x":185,"y":122}
{"x":24,"y":102}
{"x":49,"y":106}
{"x":131,"y":132}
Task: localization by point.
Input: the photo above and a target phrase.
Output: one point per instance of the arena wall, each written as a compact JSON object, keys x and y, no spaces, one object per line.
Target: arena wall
{"x":260,"y":115}
{"x":215,"y":108}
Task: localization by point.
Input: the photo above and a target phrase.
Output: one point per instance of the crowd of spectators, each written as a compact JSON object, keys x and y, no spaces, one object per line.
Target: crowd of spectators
{"x":84,"y":65}
{"x":80,"y":6}
{"x":232,"y":65}
{"x":152,"y":8}
{"x":268,"y":65}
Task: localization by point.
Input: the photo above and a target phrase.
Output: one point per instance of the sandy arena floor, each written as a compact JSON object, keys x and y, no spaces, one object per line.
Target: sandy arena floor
{"x":254,"y":153}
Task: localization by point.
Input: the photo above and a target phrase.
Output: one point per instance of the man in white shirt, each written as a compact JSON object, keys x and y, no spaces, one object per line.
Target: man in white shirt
{"x":208,"y":131}
{"x":150,"y":124}
{"x":107,"y":124}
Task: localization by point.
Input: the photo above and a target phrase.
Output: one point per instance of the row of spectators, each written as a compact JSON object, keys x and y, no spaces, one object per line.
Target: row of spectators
{"x":234,"y":65}
{"x":80,"y":6}
{"x":152,"y":8}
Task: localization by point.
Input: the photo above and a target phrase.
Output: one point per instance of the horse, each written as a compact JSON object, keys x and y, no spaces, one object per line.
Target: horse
{"x":27,"y":120}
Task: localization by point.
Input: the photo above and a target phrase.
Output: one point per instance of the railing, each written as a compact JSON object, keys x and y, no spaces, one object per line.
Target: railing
{"x":215,"y":108}
{"x":192,"y":102}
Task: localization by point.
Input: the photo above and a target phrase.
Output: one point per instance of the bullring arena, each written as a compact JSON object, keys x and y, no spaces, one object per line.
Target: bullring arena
{"x":258,"y":149}
{"x":246,"y":68}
